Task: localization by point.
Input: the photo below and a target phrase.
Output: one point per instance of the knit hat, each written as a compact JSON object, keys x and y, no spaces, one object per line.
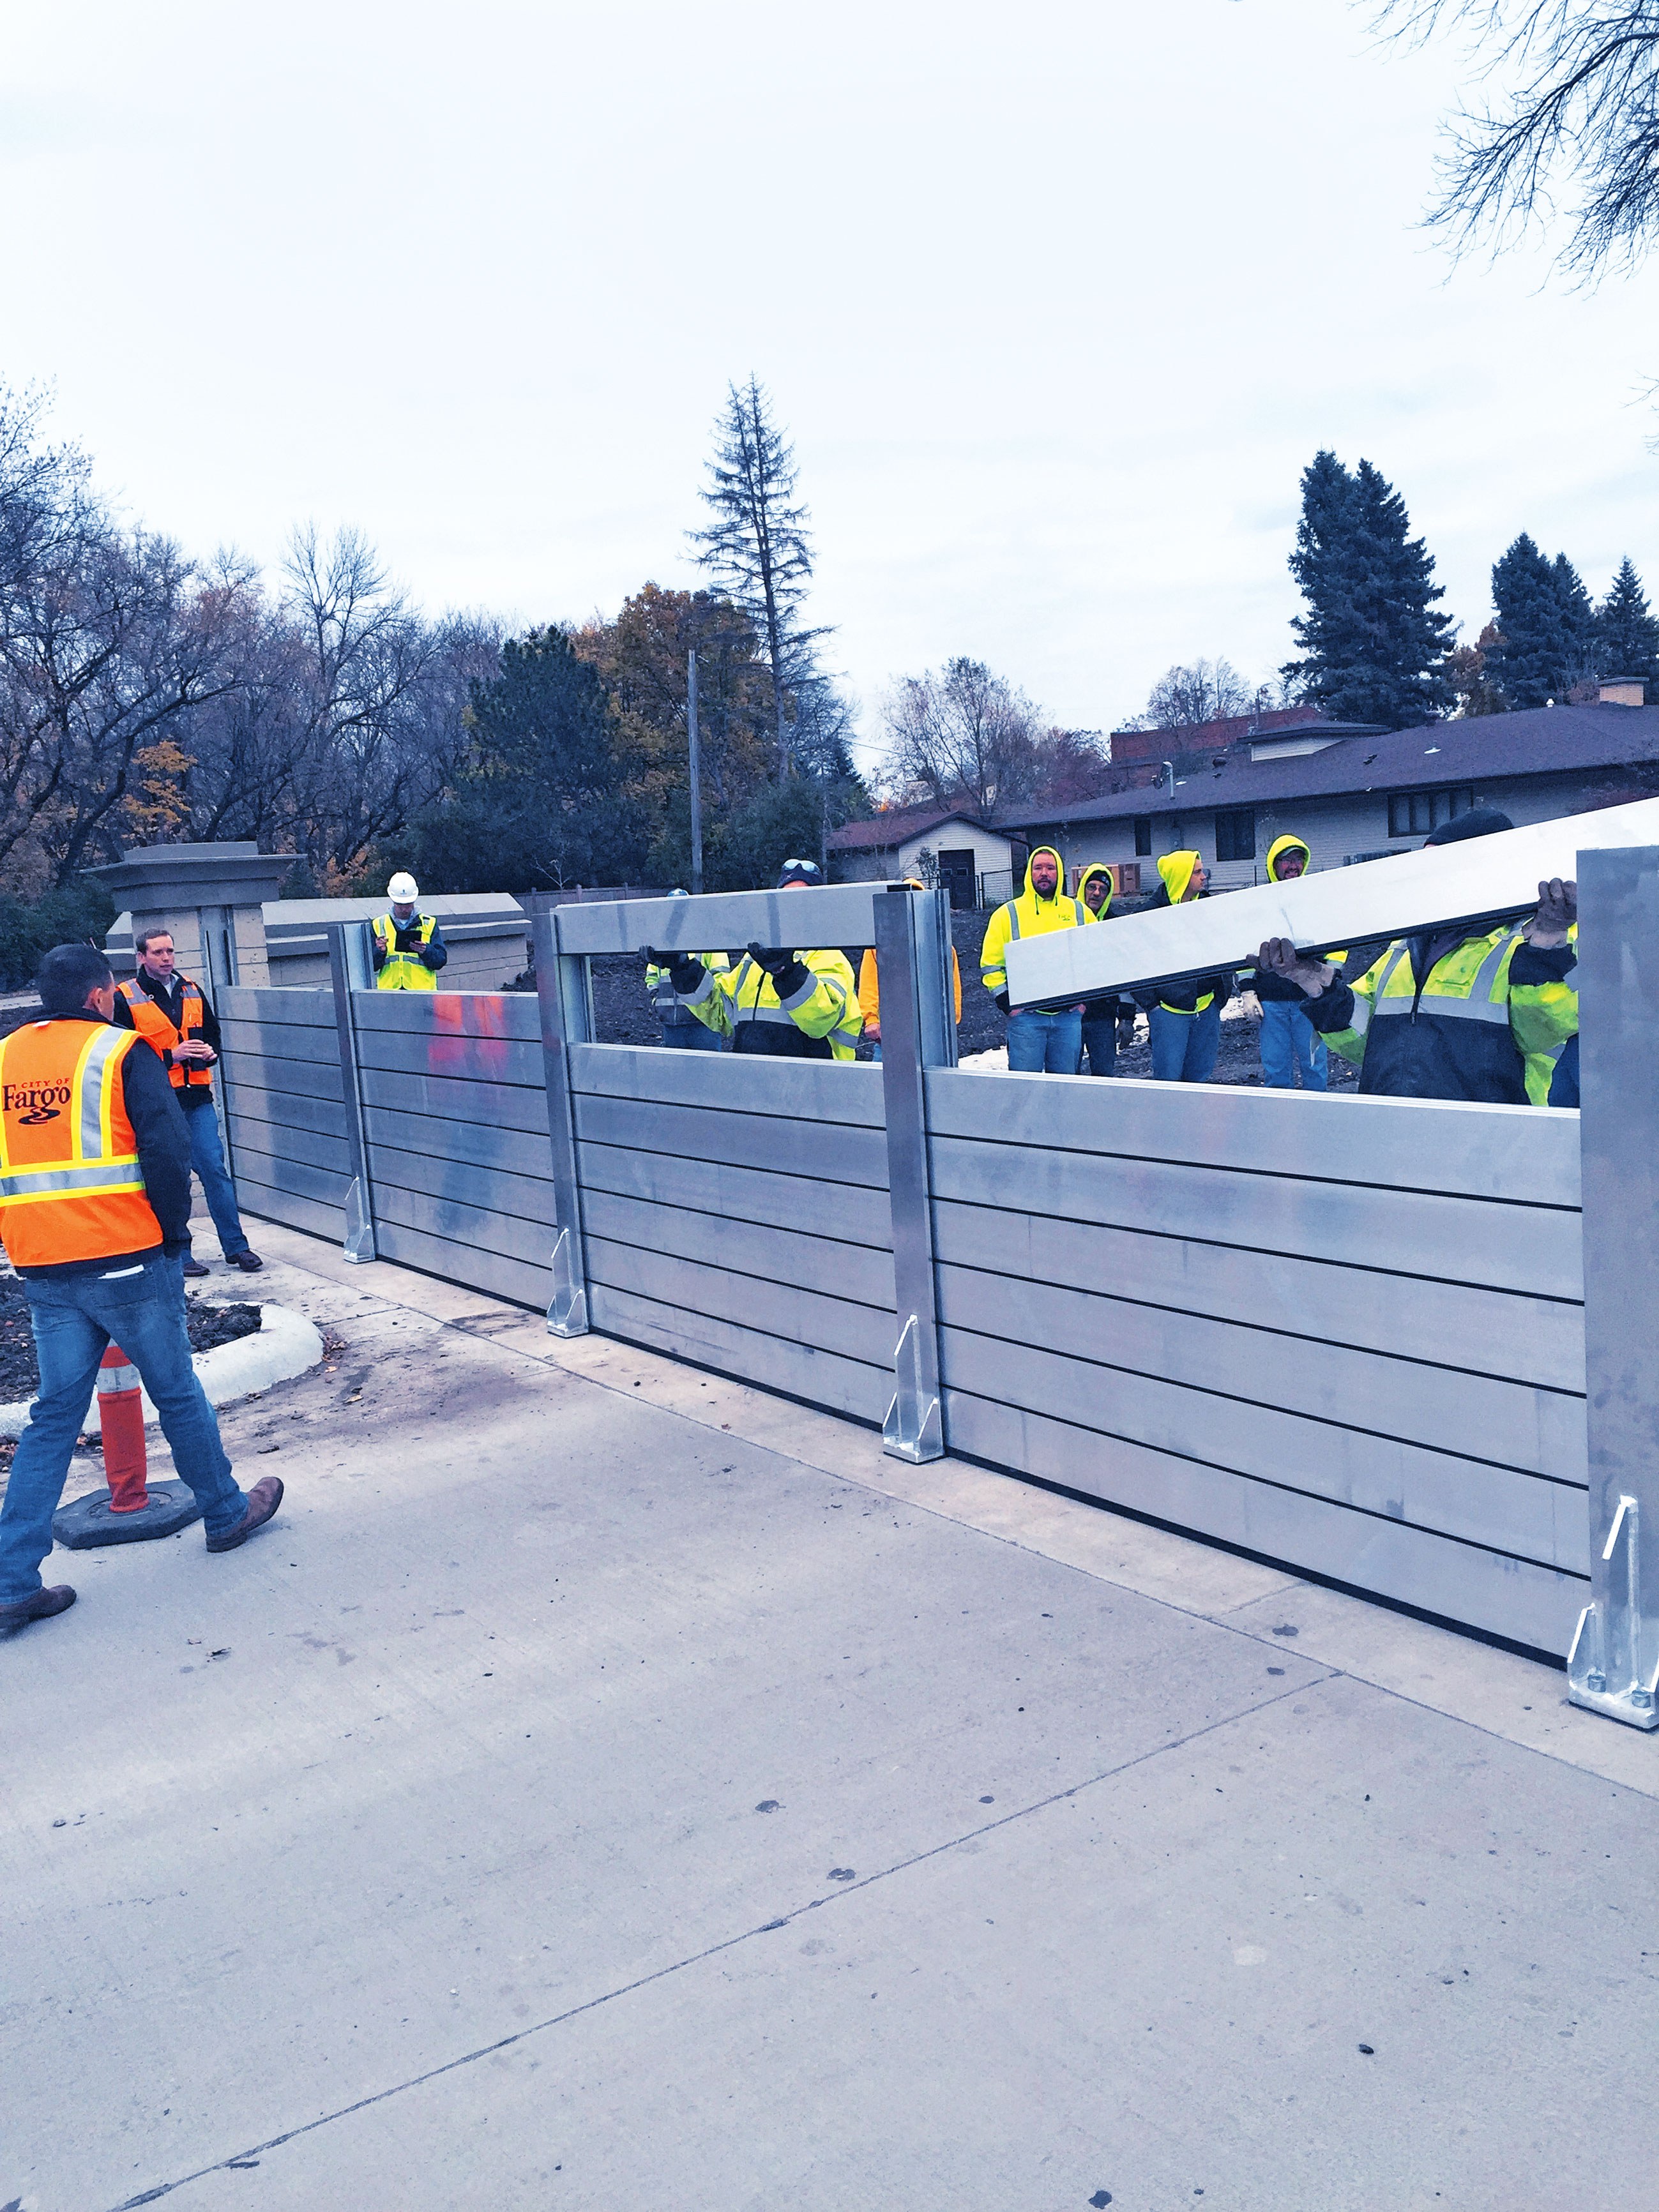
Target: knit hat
{"x":799,"y":871}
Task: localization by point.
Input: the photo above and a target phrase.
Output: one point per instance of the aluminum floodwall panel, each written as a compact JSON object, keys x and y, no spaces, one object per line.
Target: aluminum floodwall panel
{"x":284,"y":1106}
{"x":735,"y":1214}
{"x":455,"y":1115}
{"x":1346,"y":1333}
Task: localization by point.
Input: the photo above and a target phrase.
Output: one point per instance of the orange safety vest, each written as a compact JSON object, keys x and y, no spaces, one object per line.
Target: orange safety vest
{"x":151,"y":1022}
{"x":71,"y":1184}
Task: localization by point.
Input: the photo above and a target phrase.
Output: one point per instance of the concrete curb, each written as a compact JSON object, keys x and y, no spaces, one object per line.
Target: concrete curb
{"x":285,"y":1345}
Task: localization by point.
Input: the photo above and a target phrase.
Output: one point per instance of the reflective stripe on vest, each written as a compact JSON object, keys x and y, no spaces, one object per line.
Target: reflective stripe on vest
{"x":403,"y":971}
{"x":72,"y":1187}
{"x":152,"y":1023}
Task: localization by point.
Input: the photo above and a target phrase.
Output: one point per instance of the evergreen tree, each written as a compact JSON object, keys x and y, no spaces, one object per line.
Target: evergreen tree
{"x":1542,"y":642}
{"x":757,"y":548}
{"x":1577,"y":620}
{"x":1627,"y":634}
{"x":545,"y":800}
{"x":1373,"y":648}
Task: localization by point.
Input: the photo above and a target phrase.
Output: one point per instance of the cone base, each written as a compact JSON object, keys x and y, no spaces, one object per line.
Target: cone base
{"x":89,"y":1520}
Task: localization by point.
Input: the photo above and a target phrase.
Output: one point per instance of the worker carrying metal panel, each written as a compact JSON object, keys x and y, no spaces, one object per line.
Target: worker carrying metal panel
{"x":1041,"y":1040}
{"x":793,"y":1005}
{"x":1452,"y":1013}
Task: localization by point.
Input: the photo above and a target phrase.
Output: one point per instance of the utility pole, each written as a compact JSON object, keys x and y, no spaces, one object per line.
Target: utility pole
{"x":697,"y":782}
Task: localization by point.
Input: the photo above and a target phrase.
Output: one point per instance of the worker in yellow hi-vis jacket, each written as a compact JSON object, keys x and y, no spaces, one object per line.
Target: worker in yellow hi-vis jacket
{"x":794,"y":1005}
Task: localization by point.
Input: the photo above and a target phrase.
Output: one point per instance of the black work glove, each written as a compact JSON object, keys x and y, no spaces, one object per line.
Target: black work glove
{"x":684,"y":971}
{"x":787,"y":975}
{"x":1002,"y":1000}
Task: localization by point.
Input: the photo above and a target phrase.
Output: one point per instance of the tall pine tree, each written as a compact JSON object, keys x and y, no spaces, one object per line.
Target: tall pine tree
{"x":1543,"y":642}
{"x":1627,"y":634}
{"x":1373,"y":648}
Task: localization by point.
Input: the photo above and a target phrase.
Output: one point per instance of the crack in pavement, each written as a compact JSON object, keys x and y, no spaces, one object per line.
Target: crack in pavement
{"x":727,"y":1943}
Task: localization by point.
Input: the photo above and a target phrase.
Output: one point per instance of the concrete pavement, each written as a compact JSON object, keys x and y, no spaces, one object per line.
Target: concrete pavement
{"x":606,"y":1784}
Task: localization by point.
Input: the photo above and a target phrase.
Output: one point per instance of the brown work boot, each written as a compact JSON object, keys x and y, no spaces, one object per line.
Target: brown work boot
{"x":262,"y":1502}
{"x":41,"y":1607}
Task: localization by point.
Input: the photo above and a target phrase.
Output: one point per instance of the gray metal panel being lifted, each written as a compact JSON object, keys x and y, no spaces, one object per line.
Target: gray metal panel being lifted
{"x":1479,"y":880}
{"x":840,"y":914}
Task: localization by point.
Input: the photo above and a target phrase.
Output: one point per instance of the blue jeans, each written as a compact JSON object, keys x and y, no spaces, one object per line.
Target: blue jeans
{"x":692,"y":1037}
{"x":1100,"y":1042}
{"x":1184,"y":1046}
{"x":1289,"y":1042}
{"x":1044,"y":1044}
{"x":207,"y":1158}
{"x":74,"y":1317}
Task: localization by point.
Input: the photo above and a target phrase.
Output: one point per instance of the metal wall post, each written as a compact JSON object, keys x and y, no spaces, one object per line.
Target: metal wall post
{"x":1614,"y":1665}
{"x":919,"y":1031}
{"x":345,"y":964}
{"x":564,"y":997}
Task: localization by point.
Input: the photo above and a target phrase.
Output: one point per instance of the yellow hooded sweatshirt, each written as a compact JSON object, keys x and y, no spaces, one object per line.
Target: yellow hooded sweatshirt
{"x":1177,"y":870}
{"x":1276,"y":851}
{"x":1029,"y":915}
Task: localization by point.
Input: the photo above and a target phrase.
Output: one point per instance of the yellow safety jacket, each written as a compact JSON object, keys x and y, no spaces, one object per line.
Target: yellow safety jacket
{"x":659,"y":984}
{"x":1026,"y":916}
{"x":1487,"y":1022}
{"x":741,"y":1002}
{"x":403,"y":971}
{"x":71,"y":1184}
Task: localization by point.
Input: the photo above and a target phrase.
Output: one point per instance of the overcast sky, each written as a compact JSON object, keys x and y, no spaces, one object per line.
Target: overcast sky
{"x":1056,"y":302}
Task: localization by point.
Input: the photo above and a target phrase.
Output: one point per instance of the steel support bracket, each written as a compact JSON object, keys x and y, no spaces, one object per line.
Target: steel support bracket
{"x":1614,"y":1665}
{"x":564,"y":997}
{"x":347,"y":961}
{"x":914,"y":1429}
{"x":912,"y":944}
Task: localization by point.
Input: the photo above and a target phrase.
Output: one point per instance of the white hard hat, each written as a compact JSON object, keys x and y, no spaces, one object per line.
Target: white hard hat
{"x":403,"y":889}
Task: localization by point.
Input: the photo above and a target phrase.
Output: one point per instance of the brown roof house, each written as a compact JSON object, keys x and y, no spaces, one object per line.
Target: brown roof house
{"x":1354,"y":792}
{"x":951,"y":846}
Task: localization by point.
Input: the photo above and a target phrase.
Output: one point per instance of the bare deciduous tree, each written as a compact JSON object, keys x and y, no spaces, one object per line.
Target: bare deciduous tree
{"x":1207,"y":692}
{"x":964,"y":737}
{"x":1575,"y":111}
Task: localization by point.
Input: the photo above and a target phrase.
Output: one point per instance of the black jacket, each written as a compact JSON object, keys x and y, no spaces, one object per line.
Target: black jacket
{"x":158,"y":1125}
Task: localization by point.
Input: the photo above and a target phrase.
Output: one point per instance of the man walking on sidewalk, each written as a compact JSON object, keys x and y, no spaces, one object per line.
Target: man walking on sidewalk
{"x":94,"y":1207}
{"x":174,"y":1014}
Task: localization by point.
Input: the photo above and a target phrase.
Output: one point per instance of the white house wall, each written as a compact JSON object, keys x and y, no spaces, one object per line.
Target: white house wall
{"x":1336,"y":829}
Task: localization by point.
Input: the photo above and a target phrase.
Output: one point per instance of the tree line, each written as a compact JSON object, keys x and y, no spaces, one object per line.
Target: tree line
{"x":147,"y":696}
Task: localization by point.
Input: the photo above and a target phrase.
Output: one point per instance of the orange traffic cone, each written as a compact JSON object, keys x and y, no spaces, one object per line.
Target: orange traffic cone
{"x":121,"y":1417}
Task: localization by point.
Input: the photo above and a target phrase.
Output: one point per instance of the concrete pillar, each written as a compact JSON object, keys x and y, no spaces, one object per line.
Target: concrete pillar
{"x":211,"y":897}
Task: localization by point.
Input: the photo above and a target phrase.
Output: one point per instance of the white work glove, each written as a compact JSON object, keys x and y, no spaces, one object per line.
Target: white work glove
{"x":1279,"y":956}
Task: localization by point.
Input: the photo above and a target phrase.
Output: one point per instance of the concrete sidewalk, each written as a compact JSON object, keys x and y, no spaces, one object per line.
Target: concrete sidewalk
{"x":605,"y":1785}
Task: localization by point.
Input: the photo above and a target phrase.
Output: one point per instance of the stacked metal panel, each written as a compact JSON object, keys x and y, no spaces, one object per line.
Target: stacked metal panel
{"x":455,"y":1111}
{"x":735,"y":1214}
{"x":284,"y":1101}
{"x":1345,"y":1334}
